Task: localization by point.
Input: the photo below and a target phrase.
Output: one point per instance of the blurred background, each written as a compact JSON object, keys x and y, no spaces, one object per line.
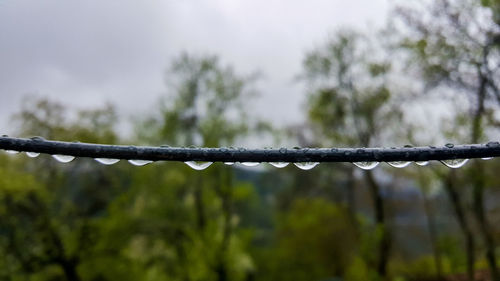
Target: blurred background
{"x":250,"y":74}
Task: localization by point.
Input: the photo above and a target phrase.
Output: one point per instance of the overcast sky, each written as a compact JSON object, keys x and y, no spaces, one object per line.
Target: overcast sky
{"x":88,"y":52}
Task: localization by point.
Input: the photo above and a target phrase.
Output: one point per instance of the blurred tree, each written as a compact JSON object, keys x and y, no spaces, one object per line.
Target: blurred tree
{"x":48,"y":119}
{"x":349,"y":105}
{"x":161,"y":222}
{"x":427,"y":185}
{"x":456,"y":44}
{"x":206,"y":104}
{"x":49,"y":229}
{"x":205,"y":107}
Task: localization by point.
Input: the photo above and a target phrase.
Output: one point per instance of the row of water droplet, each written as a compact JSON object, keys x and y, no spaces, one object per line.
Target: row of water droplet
{"x":197,"y":165}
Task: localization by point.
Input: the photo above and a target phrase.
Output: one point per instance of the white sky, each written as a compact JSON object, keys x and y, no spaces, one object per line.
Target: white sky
{"x":86,"y":53}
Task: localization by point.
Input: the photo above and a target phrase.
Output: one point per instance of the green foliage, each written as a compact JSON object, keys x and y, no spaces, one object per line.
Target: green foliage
{"x":422,"y":268}
{"x":44,"y":118}
{"x":161,"y":222}
{"x":84,"y":221}
{"x":349,"y":100}
{"x":315,"y":240}
{"x":451,"y":48}
{"x":358,"y":271}
{"x":181,"y":224}
{"x":49,"y":215}
{"x":205,"y":107}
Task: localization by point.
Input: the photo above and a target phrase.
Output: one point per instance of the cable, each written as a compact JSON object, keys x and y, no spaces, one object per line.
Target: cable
{"x":102,"y":151}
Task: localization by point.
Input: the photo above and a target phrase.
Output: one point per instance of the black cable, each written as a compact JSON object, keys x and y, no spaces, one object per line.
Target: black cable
{"x":77,"y":149}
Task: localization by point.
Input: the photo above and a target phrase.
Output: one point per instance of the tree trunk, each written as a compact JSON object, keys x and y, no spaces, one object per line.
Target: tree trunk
{"x":351,"y":199}
{"x":69,"y":269}
{"x":385,"y":243}
{"x":480,"y":214}
{"x":463,"y":223}
{"x":225,"y":194}
{"x":433,"y":235}
{"x":479,"y":184}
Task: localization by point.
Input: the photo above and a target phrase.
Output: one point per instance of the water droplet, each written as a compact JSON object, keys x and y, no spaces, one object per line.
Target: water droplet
{"x":5,"y":136}
{"x":279,"y":164}
{"x":198,"y":165}
{"x":63,"y":158}
{"x":449,"y":145}
{"x":399,"y":164}
{"x":37,"y":138}
{"x":487,"y":158}
{"x":422,"y":163}
{"x":366,"y":165}
{"x":408,"y":146}
{"x":137,"y":162}
{"x":229,"y":163}
{"x":282,"y":150}
{"x":454,"y":163}
{"x":32,"y":154}
{"x":107,"y":161}
{"x":306,"y":165}
{"x":250,"y":164}
{"x":12,"y":151}
{"x":493,"y":144}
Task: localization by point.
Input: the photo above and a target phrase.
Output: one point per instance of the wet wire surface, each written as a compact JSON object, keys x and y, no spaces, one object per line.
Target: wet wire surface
{"x":109,"y":153}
